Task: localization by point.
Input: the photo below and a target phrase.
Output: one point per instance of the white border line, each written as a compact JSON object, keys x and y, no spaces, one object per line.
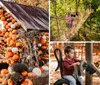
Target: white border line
{"x":49,"y":40}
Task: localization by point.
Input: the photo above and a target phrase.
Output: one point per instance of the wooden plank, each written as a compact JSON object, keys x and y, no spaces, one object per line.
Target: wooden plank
{"x":89,"y":59}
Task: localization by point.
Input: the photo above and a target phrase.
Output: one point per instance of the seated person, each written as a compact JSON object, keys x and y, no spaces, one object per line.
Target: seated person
{"x":68,"y":64}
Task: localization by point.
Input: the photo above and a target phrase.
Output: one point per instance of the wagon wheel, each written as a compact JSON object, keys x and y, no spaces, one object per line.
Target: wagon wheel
{"x":62,"y":82}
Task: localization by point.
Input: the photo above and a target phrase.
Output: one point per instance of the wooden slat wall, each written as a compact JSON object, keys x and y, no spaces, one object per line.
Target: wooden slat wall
{"x":80,"y":50}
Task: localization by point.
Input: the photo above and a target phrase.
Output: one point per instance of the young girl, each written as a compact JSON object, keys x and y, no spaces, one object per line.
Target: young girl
{"x":69,"y":20}
{"x":69,"y":63}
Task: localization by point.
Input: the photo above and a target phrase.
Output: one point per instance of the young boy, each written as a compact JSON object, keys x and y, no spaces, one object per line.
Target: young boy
{"x":68,"y":64}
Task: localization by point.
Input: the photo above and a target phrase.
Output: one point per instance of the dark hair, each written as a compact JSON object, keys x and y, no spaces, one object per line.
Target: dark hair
{"x":68,"y":49}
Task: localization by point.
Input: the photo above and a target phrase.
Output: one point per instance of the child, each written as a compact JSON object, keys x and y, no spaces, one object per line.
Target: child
{"x":73,"y":19}
{"x":68,"y":24}
{"x":68,"y":65}
{"x":69,"y":20}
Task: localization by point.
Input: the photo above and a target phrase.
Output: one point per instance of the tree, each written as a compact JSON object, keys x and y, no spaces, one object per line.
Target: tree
{"x":87,"y":31}
{"x":38,"y":3}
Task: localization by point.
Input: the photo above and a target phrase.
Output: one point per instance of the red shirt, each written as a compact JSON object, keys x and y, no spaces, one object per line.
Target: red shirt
{"x":68,"y":67}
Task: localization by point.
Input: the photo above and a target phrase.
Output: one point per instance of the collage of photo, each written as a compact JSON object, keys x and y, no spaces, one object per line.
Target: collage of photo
{"x":49,"y":42}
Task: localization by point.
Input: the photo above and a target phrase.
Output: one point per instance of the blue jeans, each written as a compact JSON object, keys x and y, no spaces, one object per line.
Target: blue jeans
{"x":72,"y":79}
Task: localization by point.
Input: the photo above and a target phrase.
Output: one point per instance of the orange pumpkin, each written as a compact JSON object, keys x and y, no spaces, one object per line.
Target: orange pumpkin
{"x":13,"y":20}
{"x":1,"y":11}
{"x":42,"y":41}
{"x":15,"y":57}
{"x":10,"y":34}
{"x":12,"y":43}
{"x":1,"y":34}
{"x":39,"y":52}
{"x":4,"y":83}
{"x":4,"y":31}
{"x":9,"y":54}
{"x":1,"y":80}
{"x":39,"y":58}
{"x":5,"y":23}
{"x":18,"y":44}
{"x":8,"y":41}
{"x":27,"y":82}
{"x":46,"y":55}
{"x":14,"y":31}
{"x":3,"y":18}
{"x":4,"y":61}
{"x":42,"y":69}
{"x":25,"y":73}
{"x":31,"y":75}
{"x":8,"y":14}
{"x":12,"y":61}
{"x":6,"y":34}
{"x":47,"y":44}
{"x":14,"y":37}
{"x":8,"y":61}
{"x":46,"y":58}
{"x":20,"y":50}
{"x":47,"y":34}
{"x":18,"y":25}
{"x":44,"y":47}
{"x":10,"y":82}
{"x":4,"y":71}
{"x":18,"y":36}
{"x":7,"y":27}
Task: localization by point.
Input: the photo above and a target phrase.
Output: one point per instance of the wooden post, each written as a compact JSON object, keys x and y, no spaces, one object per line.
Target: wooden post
{"x":89,"y":59}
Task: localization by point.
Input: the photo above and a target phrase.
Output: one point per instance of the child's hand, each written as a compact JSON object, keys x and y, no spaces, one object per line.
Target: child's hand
{"x":77,"y":63}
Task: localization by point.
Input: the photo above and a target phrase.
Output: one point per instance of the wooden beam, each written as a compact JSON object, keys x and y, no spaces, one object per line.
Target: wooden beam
{"x":89,"y":52}
{"x":96,"y":69}
{"x":89,"y":59}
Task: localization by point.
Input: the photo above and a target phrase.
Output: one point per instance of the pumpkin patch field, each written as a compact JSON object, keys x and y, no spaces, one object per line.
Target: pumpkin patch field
{"x":22,"y":53}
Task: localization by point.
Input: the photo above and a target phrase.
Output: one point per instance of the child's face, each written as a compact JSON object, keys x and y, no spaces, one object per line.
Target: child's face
{"x":71,"y":54}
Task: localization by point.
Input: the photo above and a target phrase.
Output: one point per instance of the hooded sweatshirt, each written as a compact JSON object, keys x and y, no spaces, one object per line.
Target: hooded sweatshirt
{"x":68,"y":67}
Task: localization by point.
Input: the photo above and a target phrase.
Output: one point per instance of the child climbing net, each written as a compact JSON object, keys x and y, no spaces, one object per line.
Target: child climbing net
{"x":71,"y":21}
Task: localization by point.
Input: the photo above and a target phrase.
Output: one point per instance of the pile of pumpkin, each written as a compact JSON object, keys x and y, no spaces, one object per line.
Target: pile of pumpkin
{"x":43,"y":46}
{"x":11,"y":45}
{"x":10,"y":82}
{"x":10,"y":37}
{"x":43,"y":55}
{"x":27,"y":76}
